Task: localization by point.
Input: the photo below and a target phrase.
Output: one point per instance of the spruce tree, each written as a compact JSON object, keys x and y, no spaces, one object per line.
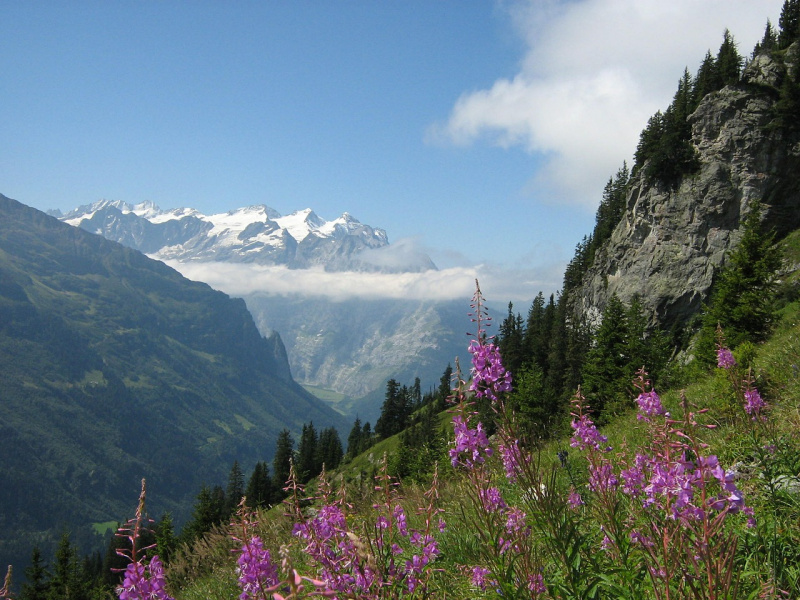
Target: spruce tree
{"x":789,"y":23}
{"x":743,"y":295}
{"x":354,"y":440}
{"x":607,"y":366}
{"x":281,"y":463}
{"x":307,"y":454}
{"x":729,"y":62}
{"x":260,"y":489}
{"x":235,"y":489}
{"x":329,"y":449}
{"x":36,"y":575}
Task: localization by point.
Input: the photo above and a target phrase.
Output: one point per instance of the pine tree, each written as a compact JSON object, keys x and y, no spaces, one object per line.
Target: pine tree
{"x":36,"y":575}
{"x":768,"y":43}
{"x":281,"y":463}
{"x":307,"y":454}
{"x":235,"y":489}
{"x":607,"y":365}
{"x":166,"y":542}
{"x":789,"y":23}
{"x":329,"y":449}
{"x":743,"y":295}
{"x":729,"y":62}
{"x":395,"y":411}
{"x":707,"y":79}
{"x":354,"y":440}
{"x":68,"y":582}
{"x":260,"y":490}
{"x":511,"y":340}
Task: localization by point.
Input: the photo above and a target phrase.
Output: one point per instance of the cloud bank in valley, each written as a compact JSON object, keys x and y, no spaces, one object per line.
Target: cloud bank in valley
{"x":457,"y":283}
{"x":594,"y":71}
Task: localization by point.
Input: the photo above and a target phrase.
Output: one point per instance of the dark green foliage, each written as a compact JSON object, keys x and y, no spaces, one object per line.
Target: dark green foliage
{"x":329,"y":449}
{"x":729,"y":62}
{"x":235,"y":489}
{"x":69,"y":580}
{"x":421,"y":447}
{"x":768,"y":43}
{"x":36,"y":578}
{"x":395,"y":412}
{"x":260,"y":487}
{"x":282,"y":463}
{"x":209,"y":510}
{"x":166,"y":541}
{"x":622,"y":345}
{"x":307,"y":464}
{"x":611,"y":209}
{"x":789,"y":23}
{"x":511,"y":340}
{"x":743,"y":295}
{"x":355,"y":441}
{"x":607,"y":367}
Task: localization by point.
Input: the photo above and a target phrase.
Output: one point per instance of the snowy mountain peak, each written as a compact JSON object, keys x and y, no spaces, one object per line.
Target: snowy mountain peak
{"x":255,"y":233}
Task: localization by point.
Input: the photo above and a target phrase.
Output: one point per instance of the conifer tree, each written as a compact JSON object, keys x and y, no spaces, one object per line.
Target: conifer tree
{"x":769,"y":41}
{"x":235,"y":489}
{"x":281,"y":463}
{"x":789,"y":23}
{"x":166,"y":542}
{"x":36,"y":575}
{"x":729,"y":62}
{"x":260,"y":490}
{"x":329,"y":449}
{"x":743,"y":295}
{"x":307,"y":456}
{"x":354,"y":439}
{"x":607,"y":363}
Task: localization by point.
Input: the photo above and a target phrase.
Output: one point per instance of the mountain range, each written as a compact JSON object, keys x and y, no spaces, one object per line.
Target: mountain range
{"x":114,"y":367}
{"x":342,"y":348}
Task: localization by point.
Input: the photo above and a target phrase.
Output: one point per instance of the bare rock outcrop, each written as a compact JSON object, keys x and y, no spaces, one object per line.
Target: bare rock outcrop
{"x":671,"y":243}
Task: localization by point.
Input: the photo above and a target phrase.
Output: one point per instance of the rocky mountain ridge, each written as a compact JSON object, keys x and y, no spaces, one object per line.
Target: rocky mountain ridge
{"x":254,"y":234}
{"x":671,"y":243}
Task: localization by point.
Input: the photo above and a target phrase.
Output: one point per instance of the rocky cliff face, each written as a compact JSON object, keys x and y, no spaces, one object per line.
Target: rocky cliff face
{"x":671,"y":243}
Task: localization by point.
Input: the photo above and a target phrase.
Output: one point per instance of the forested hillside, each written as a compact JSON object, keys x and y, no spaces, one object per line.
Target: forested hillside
{"x":114,"y":367}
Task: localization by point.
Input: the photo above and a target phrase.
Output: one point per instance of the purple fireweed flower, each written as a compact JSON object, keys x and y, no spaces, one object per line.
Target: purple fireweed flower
{"x":649,"y":405}
{"x":515,"y":522}
{"x":513,"y":458}
{"x":753,"y":404}
{"x":586,"y":435}
{"x":725,"y":358}
{"x":400,"y":520}
{"x":472,"y":442}
{"x":602,"y":478}
{"x":634,"y":477}
{"x":479,"y":575}
{"x":489,"y":376}
{"x":492,"y":500}
{"x":255,"y":569}
{"x":536,"y":584}
{"x":574,"y":499}
{"x":142,"y":582}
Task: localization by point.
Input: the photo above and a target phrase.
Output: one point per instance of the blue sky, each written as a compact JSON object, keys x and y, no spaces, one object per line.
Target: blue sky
{"x":482,"y":132}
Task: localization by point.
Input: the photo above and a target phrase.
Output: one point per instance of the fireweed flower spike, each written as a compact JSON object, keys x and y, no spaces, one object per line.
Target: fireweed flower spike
{"x":141,"y":581}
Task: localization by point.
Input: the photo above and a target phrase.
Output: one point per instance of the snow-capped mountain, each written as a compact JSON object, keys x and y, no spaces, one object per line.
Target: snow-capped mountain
{"x":257,"y":234}
{"x":351,"y":347}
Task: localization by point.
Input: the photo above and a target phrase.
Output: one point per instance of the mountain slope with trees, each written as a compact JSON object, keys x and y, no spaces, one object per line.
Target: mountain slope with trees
{"x":114,"y":367}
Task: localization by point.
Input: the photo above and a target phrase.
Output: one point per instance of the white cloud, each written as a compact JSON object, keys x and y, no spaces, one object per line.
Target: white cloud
{"x":593,"y":73}
{"x":242,"y":279}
